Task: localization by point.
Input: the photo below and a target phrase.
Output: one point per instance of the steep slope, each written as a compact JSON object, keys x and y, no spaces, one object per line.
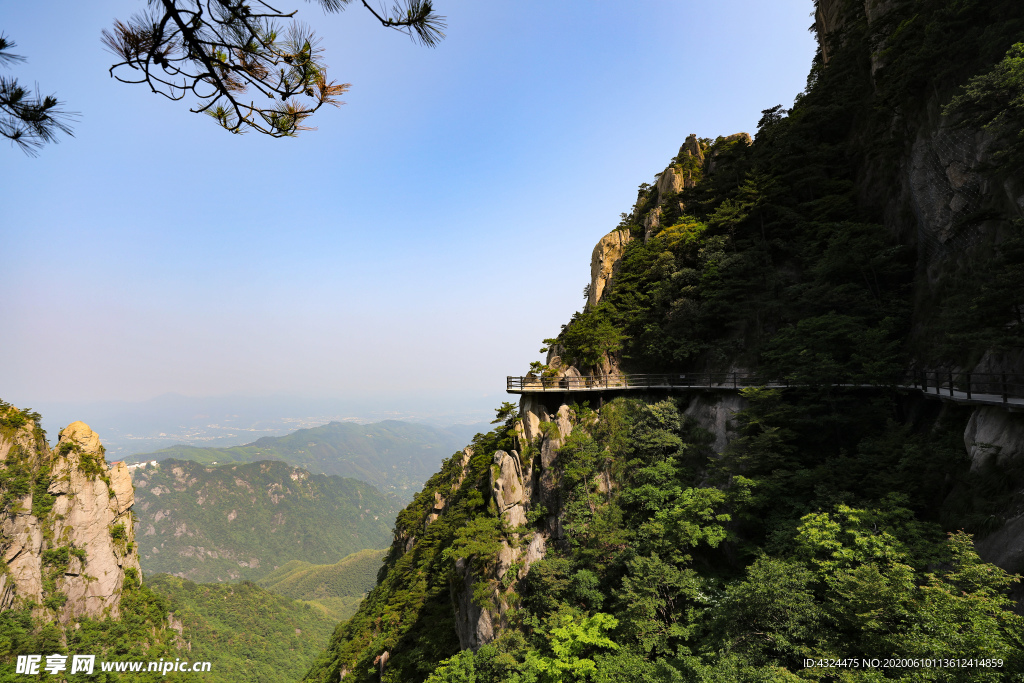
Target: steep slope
{"x":395,"y":457}
{"x":717,"y":535}
{"x":68,"y":536}
{"x":243,"y":521}
{"x":245,"y":632}
{"x":69,"y":579}
{"x":336,"y":589}
{"x":410,"y":611}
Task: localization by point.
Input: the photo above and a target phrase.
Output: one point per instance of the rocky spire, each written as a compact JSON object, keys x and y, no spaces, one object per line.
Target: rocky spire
{"x":68,"y":542}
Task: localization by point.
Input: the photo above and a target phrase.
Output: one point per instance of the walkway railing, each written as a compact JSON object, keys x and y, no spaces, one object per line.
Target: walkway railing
{"x":962,"y":387}
{"x":731,"y":380}
{"x":969,"y":385}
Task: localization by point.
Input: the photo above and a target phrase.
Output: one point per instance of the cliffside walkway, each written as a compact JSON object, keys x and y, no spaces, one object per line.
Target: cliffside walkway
{"x":965,"y":388}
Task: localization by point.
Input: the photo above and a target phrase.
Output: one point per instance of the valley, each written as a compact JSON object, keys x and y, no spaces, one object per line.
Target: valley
{"x":336,"y":589}
{"x":781,"y":434}
{"x":243,"y":521}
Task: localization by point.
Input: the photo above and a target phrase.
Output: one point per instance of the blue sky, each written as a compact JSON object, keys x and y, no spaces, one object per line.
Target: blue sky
{"x":422,"y":242}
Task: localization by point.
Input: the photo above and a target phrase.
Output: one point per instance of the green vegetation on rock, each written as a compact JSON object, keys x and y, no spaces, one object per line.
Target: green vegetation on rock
{"x":409,"y":613}
{"x":692,"y":566}
{"x":246,"y":632}
{"x":860,"y":235}
{"x":143,"y":633}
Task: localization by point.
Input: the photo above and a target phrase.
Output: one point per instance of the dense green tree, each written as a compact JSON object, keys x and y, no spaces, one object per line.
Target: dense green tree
{"x":994,"y":101}
{"x":823,"y":530}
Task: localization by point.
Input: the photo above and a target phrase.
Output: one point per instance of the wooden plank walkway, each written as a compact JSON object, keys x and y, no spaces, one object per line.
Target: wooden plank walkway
{"x":965,"y":388}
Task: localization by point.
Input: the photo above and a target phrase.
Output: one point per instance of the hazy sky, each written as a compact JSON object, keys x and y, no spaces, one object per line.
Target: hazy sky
{"x":428,"y":236}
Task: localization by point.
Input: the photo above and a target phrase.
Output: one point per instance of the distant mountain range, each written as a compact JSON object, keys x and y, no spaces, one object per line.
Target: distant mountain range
{"x":396,"y":457}
{"x":243,"y":521}
{"x":129,"y":427}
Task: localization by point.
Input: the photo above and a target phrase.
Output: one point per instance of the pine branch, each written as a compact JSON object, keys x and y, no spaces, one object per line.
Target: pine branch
{"x":220,"y":50}
{"x":29,"y":120}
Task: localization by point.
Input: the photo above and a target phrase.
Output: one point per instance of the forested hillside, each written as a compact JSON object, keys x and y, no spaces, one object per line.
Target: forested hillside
{"x":872,"y":230}
{"x":336,"y":589}
{"x":244,"y":521}
{"x":245,"y":632}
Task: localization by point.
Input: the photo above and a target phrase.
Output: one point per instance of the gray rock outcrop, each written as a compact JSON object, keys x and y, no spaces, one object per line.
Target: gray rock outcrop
{"x":93,"y":512}
{"x":508,"y":489}
{"x":943,"y":182}
{"x":83,"y":518}
{"x":670,"y":182}
{"x":474,"y":624}
{"x":691,"y":148}
{"x":518,"y":485}
{"x":715,"y":413}
{"x":604,"y":265}
{"x":831,"y":15}
{"x":828,"y":18}
{"x":995,"y":438}
{"x":652,"y":222}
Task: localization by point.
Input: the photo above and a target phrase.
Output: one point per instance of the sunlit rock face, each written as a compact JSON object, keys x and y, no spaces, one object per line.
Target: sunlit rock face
{"x":604,"y":263}
{"x":73,"y":531}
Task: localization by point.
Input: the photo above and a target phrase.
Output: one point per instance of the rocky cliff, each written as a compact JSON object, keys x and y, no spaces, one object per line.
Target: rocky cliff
{"x":68,"y":534}
{"x":692,"y":536}
{"x":941,"y":190}
{"x":520,"y":482}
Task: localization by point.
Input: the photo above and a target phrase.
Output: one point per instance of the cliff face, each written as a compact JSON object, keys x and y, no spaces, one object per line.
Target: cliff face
{"x":994,"y":438}
{"x":519,"y":483}
{"x":829,"y":250}
{"x":941,"y":192}
{"x":68,"y":541}
{"x":944,"y":197}
{"x":604,"y":263}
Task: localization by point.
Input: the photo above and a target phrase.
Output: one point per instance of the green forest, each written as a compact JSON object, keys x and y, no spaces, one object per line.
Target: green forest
{"x":245,"y":520}
{"x":336,"y":589}
{"x":244,"y":631}
{"x":843,"y":528}
{"x":839,"y":525}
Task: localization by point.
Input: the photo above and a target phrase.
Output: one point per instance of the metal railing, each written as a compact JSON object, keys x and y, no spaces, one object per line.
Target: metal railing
{"x":969,"y":385}
{"x":729,"y":380}
{"x":977,"y":387}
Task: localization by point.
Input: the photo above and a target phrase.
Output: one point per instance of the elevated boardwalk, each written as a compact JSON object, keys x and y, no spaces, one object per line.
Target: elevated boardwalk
{"x":1002,"y":390}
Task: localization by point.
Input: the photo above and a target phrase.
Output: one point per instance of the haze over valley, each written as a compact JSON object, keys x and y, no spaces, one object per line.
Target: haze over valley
{"x":131,"y":427}
{"x":665,"y":342}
